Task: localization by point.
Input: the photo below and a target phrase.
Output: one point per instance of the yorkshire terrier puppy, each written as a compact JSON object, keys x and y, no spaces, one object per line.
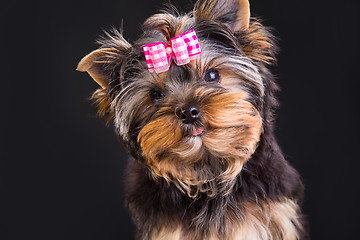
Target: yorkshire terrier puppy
{"x":192,"y":100}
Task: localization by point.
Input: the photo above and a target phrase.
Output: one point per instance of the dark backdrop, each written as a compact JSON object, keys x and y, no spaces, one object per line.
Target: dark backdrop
{"x":62,"y":170}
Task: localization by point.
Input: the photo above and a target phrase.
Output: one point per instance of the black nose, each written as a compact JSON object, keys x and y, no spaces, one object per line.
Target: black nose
{"x":189,"y":114}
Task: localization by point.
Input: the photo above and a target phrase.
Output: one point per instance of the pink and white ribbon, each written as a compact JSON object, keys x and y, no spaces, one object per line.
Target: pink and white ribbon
{"x":182,"y":49}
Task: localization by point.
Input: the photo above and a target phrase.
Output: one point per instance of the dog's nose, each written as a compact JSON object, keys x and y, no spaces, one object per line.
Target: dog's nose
{"x":189,"y":114}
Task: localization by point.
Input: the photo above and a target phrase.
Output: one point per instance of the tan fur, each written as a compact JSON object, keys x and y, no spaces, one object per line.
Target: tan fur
{"x":257,"y":43}
{"x":225,"y":112}
{"x":168,"y":24}
{"x":164,"y":233}
{"x":102,"y":103}
{"x":260,"y":221}
{"x":270,"y":221}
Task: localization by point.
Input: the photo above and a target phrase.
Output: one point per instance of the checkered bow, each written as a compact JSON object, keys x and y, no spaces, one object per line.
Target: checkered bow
{"x":182,"y":49}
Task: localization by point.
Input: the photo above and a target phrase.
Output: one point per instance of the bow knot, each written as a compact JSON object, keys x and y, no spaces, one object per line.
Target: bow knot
{"x":182,"y":49}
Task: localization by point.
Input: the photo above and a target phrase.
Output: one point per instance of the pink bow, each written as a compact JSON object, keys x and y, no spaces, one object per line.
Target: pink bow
{"x":182,"y":49}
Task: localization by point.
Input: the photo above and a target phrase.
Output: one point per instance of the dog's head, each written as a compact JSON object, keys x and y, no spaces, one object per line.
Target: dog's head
{"x":195,"y":124}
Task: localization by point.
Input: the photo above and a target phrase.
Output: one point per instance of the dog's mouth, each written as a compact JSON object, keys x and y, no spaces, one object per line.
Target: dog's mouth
{"x":197,"y":131}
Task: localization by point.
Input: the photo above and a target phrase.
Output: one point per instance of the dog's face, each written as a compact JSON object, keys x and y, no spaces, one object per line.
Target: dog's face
{"x":196,"y":124}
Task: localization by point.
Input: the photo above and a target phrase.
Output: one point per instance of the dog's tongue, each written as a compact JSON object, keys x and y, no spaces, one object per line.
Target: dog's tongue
{"x":197,"y":131}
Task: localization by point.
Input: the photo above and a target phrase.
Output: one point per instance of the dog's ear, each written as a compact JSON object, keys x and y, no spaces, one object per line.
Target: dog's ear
{"x":101,"y":62}
{"x":233,"y":13}
{"x":256,"y":40}
{"x":102,"y":65}
{"x":93,"y":63}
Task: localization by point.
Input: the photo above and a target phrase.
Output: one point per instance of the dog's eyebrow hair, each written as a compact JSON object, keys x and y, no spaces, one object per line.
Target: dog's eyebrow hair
{"x":160,"y":78}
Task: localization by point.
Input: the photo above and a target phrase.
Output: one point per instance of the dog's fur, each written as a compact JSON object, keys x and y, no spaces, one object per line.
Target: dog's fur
{"x":230,"y":182}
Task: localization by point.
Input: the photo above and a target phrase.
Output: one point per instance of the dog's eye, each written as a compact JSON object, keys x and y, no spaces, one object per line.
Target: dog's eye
{"x":212,"y":75}
{"x":156,"y":95}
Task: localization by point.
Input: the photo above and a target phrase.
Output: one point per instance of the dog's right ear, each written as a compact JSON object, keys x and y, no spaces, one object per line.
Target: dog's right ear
{"x":93,"y":64}
{"x":101,"y":64}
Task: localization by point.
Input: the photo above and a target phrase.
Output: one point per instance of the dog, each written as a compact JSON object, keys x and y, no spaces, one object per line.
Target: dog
{"x":192,"y":101}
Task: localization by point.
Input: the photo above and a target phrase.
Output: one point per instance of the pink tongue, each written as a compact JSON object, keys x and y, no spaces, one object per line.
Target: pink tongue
{"x":197,"y":131}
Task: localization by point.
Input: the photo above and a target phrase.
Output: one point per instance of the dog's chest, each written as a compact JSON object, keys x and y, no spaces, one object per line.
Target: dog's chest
{"x":267,"y":221}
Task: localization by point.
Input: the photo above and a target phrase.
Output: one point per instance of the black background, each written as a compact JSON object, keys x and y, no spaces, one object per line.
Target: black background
{"x":61,"y":169}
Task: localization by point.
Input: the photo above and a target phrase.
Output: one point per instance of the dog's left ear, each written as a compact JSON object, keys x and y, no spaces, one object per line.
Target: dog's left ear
{"x":233,"y":13}
{"x":256,"y":40}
